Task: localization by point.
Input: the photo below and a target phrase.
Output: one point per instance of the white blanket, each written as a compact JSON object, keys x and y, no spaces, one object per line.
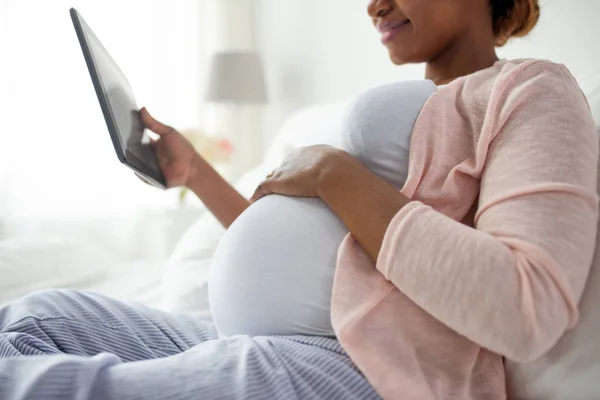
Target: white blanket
{"x":36,"y":262}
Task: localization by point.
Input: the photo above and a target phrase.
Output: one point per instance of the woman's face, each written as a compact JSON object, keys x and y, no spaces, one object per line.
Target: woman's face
{"x":416,"y":31}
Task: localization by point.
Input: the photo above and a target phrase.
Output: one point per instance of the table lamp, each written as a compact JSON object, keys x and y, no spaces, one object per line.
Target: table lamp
{"x":236,"y":84}
{"x":236,"y":77}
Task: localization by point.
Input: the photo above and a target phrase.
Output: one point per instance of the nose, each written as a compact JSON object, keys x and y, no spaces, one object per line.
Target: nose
{"x":379,"y":8}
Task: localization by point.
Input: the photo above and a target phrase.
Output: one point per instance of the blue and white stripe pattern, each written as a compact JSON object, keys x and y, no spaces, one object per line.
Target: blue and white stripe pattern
{"x":73,"y":345}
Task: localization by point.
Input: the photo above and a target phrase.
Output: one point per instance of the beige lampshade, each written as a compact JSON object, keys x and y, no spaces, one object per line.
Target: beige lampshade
{"x":236,"y":77}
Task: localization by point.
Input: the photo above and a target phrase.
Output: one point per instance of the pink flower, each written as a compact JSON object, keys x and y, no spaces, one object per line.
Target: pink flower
{"x":225,"y":145}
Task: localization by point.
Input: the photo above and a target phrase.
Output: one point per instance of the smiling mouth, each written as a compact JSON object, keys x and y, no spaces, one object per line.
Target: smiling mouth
{"x":390,"y":29}
{"x":389,"y":26}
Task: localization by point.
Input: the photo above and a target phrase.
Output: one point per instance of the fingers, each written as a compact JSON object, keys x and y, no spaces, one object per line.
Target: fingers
{"x":152,"y":124}
{"x":261,"y":191}
{"x":258,"y":193}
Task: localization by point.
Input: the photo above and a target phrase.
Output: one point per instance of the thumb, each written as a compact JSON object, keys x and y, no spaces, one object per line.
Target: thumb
{"x":264,"y":189}
{"x":152,"y":124}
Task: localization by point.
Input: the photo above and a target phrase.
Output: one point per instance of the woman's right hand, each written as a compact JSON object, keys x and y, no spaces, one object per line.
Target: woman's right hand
{"x":175,"y":154}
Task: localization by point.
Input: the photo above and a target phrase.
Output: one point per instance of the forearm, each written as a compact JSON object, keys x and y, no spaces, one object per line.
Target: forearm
{"x":363,"y":201}
{"x":216,"y":193}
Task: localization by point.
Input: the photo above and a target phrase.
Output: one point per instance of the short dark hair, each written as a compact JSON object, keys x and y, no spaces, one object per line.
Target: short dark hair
{"x":513,"y":18}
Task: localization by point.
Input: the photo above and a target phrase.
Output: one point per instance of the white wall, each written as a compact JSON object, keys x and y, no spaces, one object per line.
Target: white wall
{"x":321,"y":51}
{"x":229,"y":25}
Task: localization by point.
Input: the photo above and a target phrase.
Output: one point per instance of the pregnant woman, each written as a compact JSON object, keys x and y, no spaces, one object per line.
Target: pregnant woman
{"x":358,"y":273}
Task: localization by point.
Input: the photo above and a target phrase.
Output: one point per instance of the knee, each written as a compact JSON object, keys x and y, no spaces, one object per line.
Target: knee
{"x":50,"y":298}
{"x":43,"y":304}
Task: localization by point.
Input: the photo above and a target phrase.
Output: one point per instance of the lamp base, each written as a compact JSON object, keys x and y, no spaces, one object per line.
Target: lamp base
{"x":241,"y":125}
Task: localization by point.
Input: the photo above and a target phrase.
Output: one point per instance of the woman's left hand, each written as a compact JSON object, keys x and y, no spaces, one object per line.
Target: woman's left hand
{"x":301,"y":172}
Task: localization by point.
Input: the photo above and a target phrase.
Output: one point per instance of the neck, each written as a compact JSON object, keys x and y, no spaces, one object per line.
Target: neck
{"x":461,"y":58}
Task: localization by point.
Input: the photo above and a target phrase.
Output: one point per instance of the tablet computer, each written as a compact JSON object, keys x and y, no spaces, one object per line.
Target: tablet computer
{"x":125,"y":126}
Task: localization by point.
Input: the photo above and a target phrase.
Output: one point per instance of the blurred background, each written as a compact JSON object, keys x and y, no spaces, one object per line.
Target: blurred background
{"x":59,"y":177}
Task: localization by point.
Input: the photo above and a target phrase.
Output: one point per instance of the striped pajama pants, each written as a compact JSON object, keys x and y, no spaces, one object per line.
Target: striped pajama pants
{"x":64,"y":344}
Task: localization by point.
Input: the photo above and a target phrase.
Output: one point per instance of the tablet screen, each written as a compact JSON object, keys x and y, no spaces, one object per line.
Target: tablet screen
{"x":133,"y":141}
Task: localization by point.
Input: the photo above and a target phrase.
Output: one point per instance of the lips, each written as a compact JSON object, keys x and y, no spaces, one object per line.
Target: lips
{"x":386,"y":27}
{"x":390,"y":29}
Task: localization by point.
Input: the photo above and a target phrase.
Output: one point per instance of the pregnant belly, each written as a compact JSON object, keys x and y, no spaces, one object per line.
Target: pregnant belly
{"x":272,"y":273}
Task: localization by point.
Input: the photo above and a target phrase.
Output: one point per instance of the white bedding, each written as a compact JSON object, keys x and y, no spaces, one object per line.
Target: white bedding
{"x":36,"y":262}
{"x":139,"y":281}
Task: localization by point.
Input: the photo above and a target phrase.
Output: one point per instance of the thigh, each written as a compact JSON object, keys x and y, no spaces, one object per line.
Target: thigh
{"x":241,"y":367}
{"x":86,"y":324}
{"x":235,"y":368}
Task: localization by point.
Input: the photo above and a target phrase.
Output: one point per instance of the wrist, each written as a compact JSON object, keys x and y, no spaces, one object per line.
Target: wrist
{"x":337,"y":166}
{"x":195,"y":168}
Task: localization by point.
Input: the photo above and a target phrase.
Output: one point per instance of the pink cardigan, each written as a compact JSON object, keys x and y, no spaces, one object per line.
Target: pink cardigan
{"x":445,"y":302}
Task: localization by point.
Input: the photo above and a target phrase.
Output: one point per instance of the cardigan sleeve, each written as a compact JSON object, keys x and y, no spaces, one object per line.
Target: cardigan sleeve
{"x":512,"y":283}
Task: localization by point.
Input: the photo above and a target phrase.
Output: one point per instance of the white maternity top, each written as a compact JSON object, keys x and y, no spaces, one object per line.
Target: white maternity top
{"x":272,"y":273}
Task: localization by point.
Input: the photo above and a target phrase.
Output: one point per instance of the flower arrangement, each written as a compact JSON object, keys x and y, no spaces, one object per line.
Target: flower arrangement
{"x":216,"y":150}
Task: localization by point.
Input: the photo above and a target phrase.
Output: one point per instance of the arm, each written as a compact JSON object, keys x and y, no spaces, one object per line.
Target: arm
{"x":216,"y":193}
{"x":512,"y":283}
{"x":181,"y":165}
{"x":349,"y":189}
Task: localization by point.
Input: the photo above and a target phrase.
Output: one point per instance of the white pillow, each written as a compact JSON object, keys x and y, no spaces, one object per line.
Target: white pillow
{"x":312,"y":125}
{"x":571,"y":370}
{"x":185,"y":279}
{"x":29,"y":263}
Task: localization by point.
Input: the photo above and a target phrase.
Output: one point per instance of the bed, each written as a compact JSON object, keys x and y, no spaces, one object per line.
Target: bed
{"x":179,"y":283}
{"x":36,"y":262}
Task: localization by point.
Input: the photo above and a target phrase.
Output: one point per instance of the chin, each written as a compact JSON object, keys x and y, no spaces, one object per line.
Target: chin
{"x":397,"y":60}
{"x":401,"y":59}
{"x":406,"y":57}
